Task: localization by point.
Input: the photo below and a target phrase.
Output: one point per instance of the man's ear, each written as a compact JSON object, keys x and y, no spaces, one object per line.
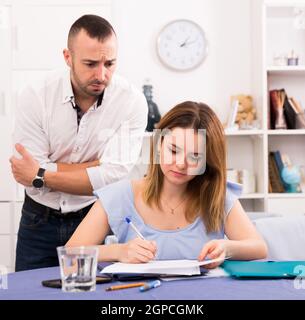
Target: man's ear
{"x":67,"y":57}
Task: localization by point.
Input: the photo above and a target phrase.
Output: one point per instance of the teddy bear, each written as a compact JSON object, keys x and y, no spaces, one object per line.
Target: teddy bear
{"x":246,"y":112}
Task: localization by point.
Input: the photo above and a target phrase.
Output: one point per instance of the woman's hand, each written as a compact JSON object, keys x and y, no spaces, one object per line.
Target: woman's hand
{"x":212,"y":250}
{"x":138,"y":251}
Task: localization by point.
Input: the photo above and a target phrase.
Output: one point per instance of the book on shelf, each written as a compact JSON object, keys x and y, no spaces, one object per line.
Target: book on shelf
{"x":276,"y":184}
{"x":289,"y":113}
{"x":300,"y":115}
{"x":277,"y":118}
{"x":285,"y":112}
{"x":280,"y":165}
{"x":232,"y":115}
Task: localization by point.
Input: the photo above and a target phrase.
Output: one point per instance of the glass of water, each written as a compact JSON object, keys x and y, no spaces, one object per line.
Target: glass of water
{"x":78,"y":268}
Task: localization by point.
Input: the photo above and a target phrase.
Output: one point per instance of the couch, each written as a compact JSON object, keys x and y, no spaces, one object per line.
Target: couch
{"x":284,"y":235}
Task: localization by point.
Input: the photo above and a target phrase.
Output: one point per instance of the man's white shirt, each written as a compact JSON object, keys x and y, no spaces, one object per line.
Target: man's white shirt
{"x":46,"y":124}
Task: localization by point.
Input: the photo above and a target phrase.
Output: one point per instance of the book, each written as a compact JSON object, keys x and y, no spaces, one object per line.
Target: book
{"x":280,"y":166}
{"x":277,"y":118}
{"x":232,"y":114}
{"x":274,"y":175}
{"x":289,"y":113}
{"x":294,"y":105}
{"x":300,"y":115}
{"x":159,"y":267}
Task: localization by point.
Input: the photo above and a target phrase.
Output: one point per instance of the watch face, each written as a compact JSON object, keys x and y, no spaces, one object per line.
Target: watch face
{"x":182,"y":45}
{"x":37,"y":183}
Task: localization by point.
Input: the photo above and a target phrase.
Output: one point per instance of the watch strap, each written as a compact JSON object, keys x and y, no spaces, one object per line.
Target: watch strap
{"x":41,"y":172}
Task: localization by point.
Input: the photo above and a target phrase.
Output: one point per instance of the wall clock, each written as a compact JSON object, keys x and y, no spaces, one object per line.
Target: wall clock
{"x":182,"y":45}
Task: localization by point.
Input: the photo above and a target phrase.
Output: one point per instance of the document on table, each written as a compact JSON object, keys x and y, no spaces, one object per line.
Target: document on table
{"x":168,"y":267}
{"x":212,"y":273}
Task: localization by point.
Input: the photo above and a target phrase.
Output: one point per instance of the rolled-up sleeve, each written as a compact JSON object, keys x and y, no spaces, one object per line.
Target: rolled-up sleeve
{"x":123,"y":148}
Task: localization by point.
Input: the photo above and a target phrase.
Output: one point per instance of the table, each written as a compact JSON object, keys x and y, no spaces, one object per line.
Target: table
{"x":27,"y":285}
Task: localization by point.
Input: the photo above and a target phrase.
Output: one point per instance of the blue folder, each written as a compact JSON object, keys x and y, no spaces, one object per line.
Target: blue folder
{"x":264,"y":269}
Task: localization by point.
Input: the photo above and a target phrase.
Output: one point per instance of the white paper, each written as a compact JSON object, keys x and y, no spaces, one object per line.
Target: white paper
{"x":213,"y":273}
{"x":175,"y":267}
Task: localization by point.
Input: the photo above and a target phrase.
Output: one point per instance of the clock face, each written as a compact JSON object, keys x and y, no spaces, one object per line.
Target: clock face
{"x":182,"y":45}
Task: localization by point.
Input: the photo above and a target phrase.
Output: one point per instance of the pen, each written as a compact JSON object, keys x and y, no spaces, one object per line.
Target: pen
{"x":125,"y":286}
{"x":134,"y":228}
{"x":150,"y":285}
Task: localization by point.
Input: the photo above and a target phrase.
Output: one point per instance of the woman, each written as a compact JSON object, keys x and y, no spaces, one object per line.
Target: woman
{"x":183,"y":207}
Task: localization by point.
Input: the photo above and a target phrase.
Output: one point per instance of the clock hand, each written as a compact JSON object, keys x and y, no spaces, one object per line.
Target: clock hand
{"x":190,"y":42}
{"x":185,"y":42}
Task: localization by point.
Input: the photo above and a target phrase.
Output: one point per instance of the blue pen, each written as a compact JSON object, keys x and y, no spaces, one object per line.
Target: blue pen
{"x":134,"y":228}
{"x":150,"y":285}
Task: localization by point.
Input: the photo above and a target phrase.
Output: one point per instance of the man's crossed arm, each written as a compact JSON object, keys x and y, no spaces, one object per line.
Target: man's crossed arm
{"x":69,"y":178}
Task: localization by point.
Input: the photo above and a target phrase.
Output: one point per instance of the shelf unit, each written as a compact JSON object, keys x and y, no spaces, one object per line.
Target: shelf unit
{"x":252,"y":196}
{"x":281,"y":36}
{"x":245,"y":151}
{"x":244,"y":133}
{"x":286,"y":70}
{"x":296,"y":132}
{"x":286,"y":195}
{"x":272,"y":33}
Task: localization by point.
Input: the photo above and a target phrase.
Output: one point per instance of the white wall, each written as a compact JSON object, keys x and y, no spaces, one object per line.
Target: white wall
{"x":227,"y":69}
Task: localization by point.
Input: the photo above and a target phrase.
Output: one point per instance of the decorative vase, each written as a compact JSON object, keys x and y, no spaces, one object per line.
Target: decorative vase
{"x":153,"y":111}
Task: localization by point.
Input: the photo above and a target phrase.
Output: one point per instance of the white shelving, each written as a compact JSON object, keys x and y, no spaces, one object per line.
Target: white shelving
{"x":273,"y":33}
{"x":253,"y":196}
{"x":244,"y":133}
{"x":280,"y":36}
{"x":296,"y":132}
{"x":286,"y":70}
{"x":286,"y":195}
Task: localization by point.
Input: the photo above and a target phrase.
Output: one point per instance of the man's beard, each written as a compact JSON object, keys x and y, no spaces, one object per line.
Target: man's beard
{"x":84,"y":87}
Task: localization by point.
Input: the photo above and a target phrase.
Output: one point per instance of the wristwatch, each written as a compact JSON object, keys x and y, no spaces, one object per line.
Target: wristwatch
{"x":38,"y":181}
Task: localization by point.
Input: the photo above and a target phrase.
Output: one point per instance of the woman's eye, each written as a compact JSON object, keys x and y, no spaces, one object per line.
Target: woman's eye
{"x":172,"y":150}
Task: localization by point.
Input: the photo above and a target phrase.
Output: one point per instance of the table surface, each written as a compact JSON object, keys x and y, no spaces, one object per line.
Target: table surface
{"x":27,"y":285}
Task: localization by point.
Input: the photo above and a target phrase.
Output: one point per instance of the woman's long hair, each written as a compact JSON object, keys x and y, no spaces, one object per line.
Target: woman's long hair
{"x":207,"y":191}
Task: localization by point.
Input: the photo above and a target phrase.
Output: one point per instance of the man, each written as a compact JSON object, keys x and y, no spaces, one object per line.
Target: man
{"x":71,"y":132}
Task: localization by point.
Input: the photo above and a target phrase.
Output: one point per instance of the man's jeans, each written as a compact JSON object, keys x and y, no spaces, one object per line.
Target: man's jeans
{"x":38,"y":236}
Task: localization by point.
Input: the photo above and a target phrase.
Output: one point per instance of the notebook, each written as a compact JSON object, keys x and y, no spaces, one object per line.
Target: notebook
{"x":159,"y":267}
{"x":264,"y":269}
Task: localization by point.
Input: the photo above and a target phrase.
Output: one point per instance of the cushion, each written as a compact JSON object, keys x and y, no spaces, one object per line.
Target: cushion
{"x":285,"y":236}
{"x":261,"y":215}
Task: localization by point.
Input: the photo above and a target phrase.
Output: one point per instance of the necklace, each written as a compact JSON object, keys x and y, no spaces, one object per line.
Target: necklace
{"x":172,"y":210}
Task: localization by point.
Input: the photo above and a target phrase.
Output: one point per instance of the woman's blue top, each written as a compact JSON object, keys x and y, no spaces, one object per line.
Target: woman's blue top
{"x":185,"y":243}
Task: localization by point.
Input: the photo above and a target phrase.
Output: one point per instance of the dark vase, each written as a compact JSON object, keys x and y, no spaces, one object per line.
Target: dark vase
{"x":153,"y":111}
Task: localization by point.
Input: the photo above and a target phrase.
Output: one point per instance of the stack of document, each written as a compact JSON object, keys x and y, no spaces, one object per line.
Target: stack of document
{"x":159,"y":267}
